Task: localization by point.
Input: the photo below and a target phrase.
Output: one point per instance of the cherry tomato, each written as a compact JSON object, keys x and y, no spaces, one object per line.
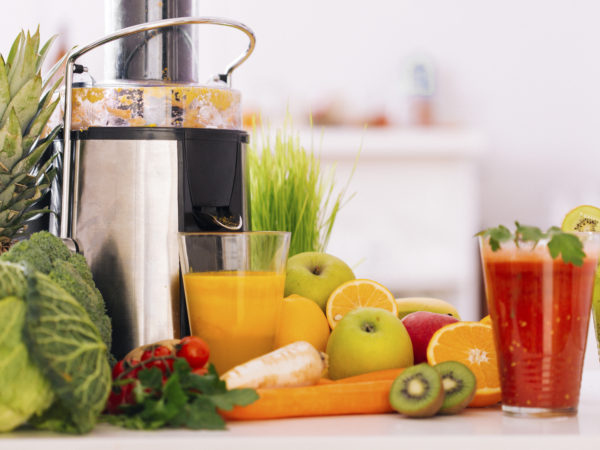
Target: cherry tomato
{"x":200,"y":371}
{"x":118,"y":369}
{"x":146,"y":355}
{"x":121,"y":395}
{"x":195,"y":351}
{"x":161,"y":350}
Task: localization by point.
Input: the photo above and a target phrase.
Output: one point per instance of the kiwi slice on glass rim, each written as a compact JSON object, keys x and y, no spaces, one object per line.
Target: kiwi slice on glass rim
{"x":417,"y":391}
{"x":582,"y":218}
{"x":459,"y":385}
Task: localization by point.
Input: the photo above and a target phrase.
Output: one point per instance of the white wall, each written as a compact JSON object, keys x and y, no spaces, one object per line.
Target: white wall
{"x":524,"y":72}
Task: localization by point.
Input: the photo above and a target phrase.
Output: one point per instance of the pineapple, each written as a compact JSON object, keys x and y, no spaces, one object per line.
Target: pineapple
{"x":26,"y":104}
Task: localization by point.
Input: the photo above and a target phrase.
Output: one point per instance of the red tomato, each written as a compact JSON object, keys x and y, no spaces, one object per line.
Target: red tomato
{"x":195,"y":351}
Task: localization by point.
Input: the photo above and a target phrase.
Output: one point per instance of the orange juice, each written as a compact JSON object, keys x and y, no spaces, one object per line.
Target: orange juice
{"x":235,"y":312}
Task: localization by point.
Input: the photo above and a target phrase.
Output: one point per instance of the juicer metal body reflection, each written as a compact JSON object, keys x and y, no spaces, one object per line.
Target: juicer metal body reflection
{"x":127,"y":191}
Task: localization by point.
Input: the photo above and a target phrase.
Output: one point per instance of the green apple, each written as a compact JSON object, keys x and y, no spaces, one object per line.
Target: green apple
{"x":366,"y":340}
{"x":315,"y":275}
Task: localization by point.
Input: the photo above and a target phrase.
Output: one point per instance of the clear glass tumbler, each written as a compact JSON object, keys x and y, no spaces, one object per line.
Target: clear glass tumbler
{"x":540,"y":310}
{"x":234,"y":286}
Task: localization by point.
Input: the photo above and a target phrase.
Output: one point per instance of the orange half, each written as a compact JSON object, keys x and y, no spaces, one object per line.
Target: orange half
{"x":358,"y":294}
{"x":471,"y":343}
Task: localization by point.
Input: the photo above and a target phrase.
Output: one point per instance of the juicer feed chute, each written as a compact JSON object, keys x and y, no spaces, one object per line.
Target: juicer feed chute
{"x":142,"y":161}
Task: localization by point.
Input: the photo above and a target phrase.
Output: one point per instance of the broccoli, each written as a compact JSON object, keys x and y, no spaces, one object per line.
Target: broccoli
{"x":67,"y":275}
{"x":47,"y":253}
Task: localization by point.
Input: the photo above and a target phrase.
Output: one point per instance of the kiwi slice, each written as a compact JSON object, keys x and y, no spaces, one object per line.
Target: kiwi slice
{"x":417,"y":391}
{"x":582,"y":218}
{"x":587,"y":218}
{"x":459,"y":384}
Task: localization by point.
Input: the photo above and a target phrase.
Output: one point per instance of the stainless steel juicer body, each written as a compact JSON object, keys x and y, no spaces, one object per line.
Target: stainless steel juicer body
{"x":127,"y":191}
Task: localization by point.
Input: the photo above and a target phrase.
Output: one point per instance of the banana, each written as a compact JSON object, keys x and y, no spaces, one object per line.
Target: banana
{"x":411,"y":304}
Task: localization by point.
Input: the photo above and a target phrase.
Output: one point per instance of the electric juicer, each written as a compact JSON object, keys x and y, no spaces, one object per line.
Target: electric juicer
{"x":143,"y":159}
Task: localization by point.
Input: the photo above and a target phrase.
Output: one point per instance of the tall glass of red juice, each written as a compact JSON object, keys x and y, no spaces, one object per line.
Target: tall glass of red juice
{"x":540,"y":310}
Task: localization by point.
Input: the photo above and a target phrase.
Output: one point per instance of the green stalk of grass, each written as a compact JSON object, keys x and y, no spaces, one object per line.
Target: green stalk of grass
{"x":289,"y":192}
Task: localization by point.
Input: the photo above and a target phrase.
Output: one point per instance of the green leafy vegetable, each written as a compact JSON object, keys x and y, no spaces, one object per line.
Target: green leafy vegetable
{"x":184,"y":400}
{"x":24,"y":391}
{"x":54,"y":373}
{"x":67,"y":347}
{"x":560,"y":243}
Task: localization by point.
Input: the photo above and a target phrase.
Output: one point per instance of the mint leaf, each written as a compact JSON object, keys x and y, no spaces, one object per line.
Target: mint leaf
{"x":568,"y":246}
{"x":202,"y":415}
{"x":526,"y":233}
{"x":227,"y":400}
{"x":497,"y":236}
{"x":151,"y":378}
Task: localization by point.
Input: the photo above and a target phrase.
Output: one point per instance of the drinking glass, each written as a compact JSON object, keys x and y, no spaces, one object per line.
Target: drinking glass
{"x":540,"y":309}
{"x":234,"y":286}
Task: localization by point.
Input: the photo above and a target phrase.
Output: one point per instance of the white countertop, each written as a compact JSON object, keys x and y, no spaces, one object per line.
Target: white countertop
{"x":485,"y":429}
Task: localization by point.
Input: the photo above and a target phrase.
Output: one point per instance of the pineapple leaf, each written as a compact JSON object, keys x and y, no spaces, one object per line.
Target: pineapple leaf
{"x":27,"y":163}
{"x":44,"y":52}
{"x":5,"y":178}
{"x":14,"y":48}
{"x":17,"y":220}
{"x":26,"y":198}
{"x":23,"y":69}
{"x":7,"y":195}
{"x":6,"y":216}
{"x":25,"y":102}
{"x":4,"y":89}
{"x":38,"y":124}
{"x":50,"y":74}
{"x":11,"y":150}
{"x":47,"y":97}
{"x":44,"y":169}
{"x":20,"y":180}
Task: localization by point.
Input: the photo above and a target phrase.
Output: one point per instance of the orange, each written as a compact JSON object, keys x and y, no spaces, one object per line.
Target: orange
{"x":355,"y":294}
{"x":471,"y":343}
{"x":301,"y":319}
{"x":486,"y":320}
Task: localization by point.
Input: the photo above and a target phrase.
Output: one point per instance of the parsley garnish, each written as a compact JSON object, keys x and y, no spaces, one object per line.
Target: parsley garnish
{"x":184,"y":400}
{"x":560,"y":243}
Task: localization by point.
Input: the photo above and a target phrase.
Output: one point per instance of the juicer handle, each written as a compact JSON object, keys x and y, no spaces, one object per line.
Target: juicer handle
{"x":78,"y":52}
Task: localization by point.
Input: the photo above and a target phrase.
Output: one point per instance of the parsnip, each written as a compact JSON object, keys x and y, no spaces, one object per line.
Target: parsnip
{"x":296,"y":364}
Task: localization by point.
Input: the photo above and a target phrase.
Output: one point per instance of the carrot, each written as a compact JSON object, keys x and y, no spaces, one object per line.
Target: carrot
{"x":367,"y":397}
{"x":387,"y":374}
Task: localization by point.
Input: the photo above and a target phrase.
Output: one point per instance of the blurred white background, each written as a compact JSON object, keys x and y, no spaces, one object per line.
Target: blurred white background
{"x":517,"y":80}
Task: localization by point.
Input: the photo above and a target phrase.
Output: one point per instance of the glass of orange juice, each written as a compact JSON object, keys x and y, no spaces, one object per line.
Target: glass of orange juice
{"x":233,"y":286}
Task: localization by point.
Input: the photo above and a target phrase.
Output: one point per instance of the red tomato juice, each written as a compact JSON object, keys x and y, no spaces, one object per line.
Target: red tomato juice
{"x":540,"y":311}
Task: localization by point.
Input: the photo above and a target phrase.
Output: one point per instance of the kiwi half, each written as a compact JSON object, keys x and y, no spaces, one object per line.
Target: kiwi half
{"x":417,"y":391}
{"x":459,"y":385}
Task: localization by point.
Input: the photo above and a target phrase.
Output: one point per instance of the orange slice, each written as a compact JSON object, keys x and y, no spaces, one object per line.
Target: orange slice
{"x":486,"y":320}
{"x":358,"y":294}
{"x":471,"y":343}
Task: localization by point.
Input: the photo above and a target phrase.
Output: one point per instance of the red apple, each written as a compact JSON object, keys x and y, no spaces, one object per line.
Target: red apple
{"x":420,"y":326}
